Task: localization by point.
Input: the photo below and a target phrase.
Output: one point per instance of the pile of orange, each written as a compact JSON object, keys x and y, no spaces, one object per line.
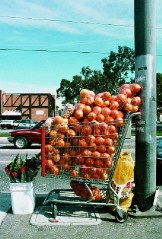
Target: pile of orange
{"x":84,"y":142}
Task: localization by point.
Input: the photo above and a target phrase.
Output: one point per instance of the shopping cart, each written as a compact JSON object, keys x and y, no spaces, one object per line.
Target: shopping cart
{"x":107,"y":195}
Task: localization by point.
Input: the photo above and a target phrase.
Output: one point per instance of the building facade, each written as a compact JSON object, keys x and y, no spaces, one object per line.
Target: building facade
{"x":26,"y":106}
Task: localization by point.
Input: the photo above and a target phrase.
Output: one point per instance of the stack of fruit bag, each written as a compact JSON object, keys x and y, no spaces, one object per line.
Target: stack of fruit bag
{"x":83,"y":140}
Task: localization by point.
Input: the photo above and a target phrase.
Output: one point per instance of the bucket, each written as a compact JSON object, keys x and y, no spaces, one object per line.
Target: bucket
{"x":22,"y":198}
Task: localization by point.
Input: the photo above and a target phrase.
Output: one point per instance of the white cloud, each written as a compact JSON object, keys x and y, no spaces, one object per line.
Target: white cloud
{"x":79,"y":11}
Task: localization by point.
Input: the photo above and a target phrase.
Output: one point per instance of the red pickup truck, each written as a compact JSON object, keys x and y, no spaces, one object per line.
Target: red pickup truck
{"x":23,"y":138}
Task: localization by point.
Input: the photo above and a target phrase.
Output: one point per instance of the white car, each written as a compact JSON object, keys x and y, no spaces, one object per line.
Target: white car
{"x":6,"y":124}
{"x":15,"y":124}
{"x":25,"y":124}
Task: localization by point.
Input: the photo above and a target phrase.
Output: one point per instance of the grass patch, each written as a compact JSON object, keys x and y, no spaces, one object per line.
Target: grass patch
{"x":4,"y":134}
{"x":159,"y":133}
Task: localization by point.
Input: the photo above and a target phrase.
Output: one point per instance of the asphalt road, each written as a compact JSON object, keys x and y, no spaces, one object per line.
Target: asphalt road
{"x":8,"y":152}
{"x":18,"y":226}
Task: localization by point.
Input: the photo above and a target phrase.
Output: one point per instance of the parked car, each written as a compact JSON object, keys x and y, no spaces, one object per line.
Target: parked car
{"x":25,"y":124}
{"x":159,"y":161}
{"x":15,"y":124}
{"x":23,"y":138}
{"x":6,"y":124}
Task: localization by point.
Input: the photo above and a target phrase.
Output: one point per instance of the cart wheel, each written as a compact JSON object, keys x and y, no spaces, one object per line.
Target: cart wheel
{"x":121,"y":216}
{"x":54,"y":210}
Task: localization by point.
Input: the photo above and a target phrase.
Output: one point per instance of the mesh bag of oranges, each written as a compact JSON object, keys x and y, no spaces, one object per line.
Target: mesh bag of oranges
{"x":123,"y":179}
{"x":84,"y":139}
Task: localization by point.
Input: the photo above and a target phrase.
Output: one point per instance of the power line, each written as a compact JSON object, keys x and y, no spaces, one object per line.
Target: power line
{"x":67,"y":21}
{"x":70,"y":21}
{"x":59,"y":51}
{"x":52,"y":51}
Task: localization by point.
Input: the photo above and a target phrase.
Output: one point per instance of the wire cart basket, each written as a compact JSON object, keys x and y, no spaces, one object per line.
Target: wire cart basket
{"x":87,"y":187}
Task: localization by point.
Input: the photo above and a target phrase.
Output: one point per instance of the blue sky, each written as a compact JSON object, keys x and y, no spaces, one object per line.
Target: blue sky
{"x":62,"y":25}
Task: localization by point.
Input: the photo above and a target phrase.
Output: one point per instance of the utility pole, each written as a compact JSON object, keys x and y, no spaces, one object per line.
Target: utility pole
{"x":145,"y":48}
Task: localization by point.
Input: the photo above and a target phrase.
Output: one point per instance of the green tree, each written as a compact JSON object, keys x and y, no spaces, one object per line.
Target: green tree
{"x":118,"y":68}
{"x":93,"y":80}
{"x":69,"y":90}
{"x":89,"y":79}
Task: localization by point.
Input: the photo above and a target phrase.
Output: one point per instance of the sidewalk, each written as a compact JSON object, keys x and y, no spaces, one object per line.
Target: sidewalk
{"x":98,"y":224}
{"x":39,"y":216}
{"x":76,"y":222}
